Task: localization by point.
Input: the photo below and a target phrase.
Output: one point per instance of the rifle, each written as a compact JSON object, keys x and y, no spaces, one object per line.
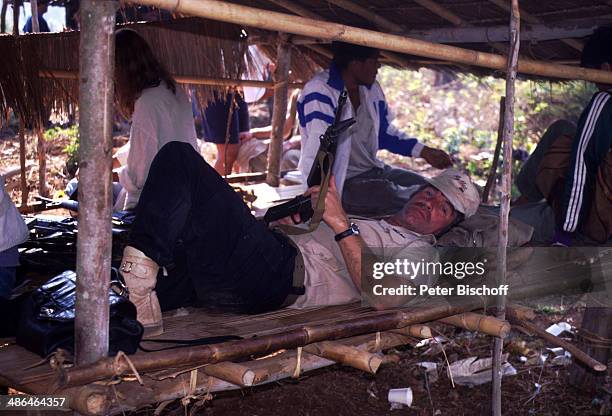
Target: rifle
{"x":68,"y":204}
{"x":321,"y":168}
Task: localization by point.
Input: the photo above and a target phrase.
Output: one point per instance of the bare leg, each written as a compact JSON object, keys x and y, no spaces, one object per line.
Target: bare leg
{"x":226,"y":156}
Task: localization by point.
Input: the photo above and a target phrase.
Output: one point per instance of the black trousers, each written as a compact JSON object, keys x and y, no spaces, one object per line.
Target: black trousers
{"x":232,"y":260}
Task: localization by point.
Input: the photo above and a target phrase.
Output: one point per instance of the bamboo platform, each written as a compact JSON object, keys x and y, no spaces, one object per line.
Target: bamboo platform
{"x":27,"y":372}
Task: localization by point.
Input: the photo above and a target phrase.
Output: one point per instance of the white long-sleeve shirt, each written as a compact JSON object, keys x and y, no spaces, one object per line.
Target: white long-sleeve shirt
{"x":13,"y":230}
{"x":159,"y":117}
{"x":316,"y":108}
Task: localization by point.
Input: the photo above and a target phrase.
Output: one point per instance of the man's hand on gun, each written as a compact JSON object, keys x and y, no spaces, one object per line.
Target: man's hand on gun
{"x":334,"y":214}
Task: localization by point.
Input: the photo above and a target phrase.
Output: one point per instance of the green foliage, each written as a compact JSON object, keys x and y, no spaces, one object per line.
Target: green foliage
{"x":460,"y":112}
{"x":72,"y":148}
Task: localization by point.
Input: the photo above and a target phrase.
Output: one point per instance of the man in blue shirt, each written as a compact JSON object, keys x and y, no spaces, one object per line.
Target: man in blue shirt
{"x":42,"y":23}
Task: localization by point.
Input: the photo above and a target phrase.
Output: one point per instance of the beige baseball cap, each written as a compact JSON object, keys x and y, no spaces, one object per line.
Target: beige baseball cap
{"x":459,"y":189}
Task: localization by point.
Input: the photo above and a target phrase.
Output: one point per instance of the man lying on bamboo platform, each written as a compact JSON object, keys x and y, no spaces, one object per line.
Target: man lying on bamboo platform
{"x":367,"y":185}
{"x":236,"y":262}
{"x":571,"y":168}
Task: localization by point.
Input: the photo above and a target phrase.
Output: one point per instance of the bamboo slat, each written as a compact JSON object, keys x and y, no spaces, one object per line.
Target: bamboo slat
{"x":481,"y":323}
{"x":350,"y":356}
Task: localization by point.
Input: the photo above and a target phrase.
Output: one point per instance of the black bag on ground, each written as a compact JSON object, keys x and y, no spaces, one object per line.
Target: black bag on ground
{"x":47,"y":318}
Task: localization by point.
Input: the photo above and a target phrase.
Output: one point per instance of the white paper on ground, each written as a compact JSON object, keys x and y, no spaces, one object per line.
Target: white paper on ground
{"x":474,"y":372}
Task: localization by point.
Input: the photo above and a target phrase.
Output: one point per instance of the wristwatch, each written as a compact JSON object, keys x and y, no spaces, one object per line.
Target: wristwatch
{"x":352,"y":230}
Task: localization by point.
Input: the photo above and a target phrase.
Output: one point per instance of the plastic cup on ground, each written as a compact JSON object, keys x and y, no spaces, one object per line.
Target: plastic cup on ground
{"x":402,"y":396}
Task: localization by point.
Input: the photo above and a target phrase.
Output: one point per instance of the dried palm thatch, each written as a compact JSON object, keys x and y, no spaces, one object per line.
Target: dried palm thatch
{"x":188,"y":47}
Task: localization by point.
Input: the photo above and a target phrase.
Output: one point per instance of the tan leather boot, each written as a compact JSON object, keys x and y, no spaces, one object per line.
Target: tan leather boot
{"x":140,"y":275}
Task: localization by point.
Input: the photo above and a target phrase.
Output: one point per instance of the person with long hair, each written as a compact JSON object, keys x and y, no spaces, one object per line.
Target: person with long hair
{"x":160,"y":112}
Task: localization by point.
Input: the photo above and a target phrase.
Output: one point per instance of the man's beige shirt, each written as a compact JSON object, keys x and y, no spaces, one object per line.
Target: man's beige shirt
{"x":327,"y":280}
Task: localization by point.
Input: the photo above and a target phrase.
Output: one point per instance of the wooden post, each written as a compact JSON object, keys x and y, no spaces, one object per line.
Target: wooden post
{"x":34,"y":10}
{"x":96,"y":51}
{"x":41,"y":149}
{"x":502,"y":242}
{"x":279,"y":112}
{"x":269,"y":20}
{"x":22,"y":163}
{"x":494,"y":163}
{"x":3,"y":16}
{"x":16,"y":6}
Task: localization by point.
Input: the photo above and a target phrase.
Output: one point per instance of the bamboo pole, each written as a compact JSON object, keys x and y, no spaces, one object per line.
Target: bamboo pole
{"x":182,"y":79}
{"x":231,"y":372}
{"x":495,"y":162}
{"x":453,"y":18}
{"x":380,"y":21}
{"x":576,"y":352}
{"x":536,"y":32}
{"x":41,"y":150}
{"x":480,"y":323}
{"x":503,"y":4}
{"x":3,"y":16}
{"x":269,"y":20}
{"x":417,"y":331}
{"x":96,"y":49}
{"x":301,"y":11}
{"x":231,"y":351}
{"x":16,"y":6}
{"x":22,"y":163}
{"x":349,"y":356}
{"x":502,"y":244}
{"x":40,"y":144}
{"x":280,"y":366}
{"x":279,"y":112}
{"x":34,"y":11}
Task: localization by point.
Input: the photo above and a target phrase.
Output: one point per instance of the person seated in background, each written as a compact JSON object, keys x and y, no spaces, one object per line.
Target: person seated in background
{"x":236,"y":262}
{"x":13,"y":231}
{"x":225,"y":122}
{"x":159,"y":110}
{"x":42,"y":23}
{"x":368,"y":186}
{"x":253,"y":154}
{"x":572,"y":166}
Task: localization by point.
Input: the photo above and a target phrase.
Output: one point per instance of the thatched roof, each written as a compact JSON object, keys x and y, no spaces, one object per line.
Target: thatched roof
{"x":190,"y":47}
{"x":551,"y":31}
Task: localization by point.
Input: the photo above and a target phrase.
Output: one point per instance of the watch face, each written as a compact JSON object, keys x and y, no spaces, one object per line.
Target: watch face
{"x":355,"y":228}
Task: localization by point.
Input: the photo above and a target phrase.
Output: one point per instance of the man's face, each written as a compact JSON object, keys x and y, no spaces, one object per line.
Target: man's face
{"x":427,"y":212}
{"x":365,"y":71}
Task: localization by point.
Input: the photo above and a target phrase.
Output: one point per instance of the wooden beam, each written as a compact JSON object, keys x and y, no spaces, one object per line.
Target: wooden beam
{"x":301,"y":11}
{"x":182,"y":79}
{"x":503,"y":4}
{"x":371,"y":16}
{"x":453,"y":18}
{"x":279,"y":111}
{"x":441,"y":11}
{"x":576,"y":28}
